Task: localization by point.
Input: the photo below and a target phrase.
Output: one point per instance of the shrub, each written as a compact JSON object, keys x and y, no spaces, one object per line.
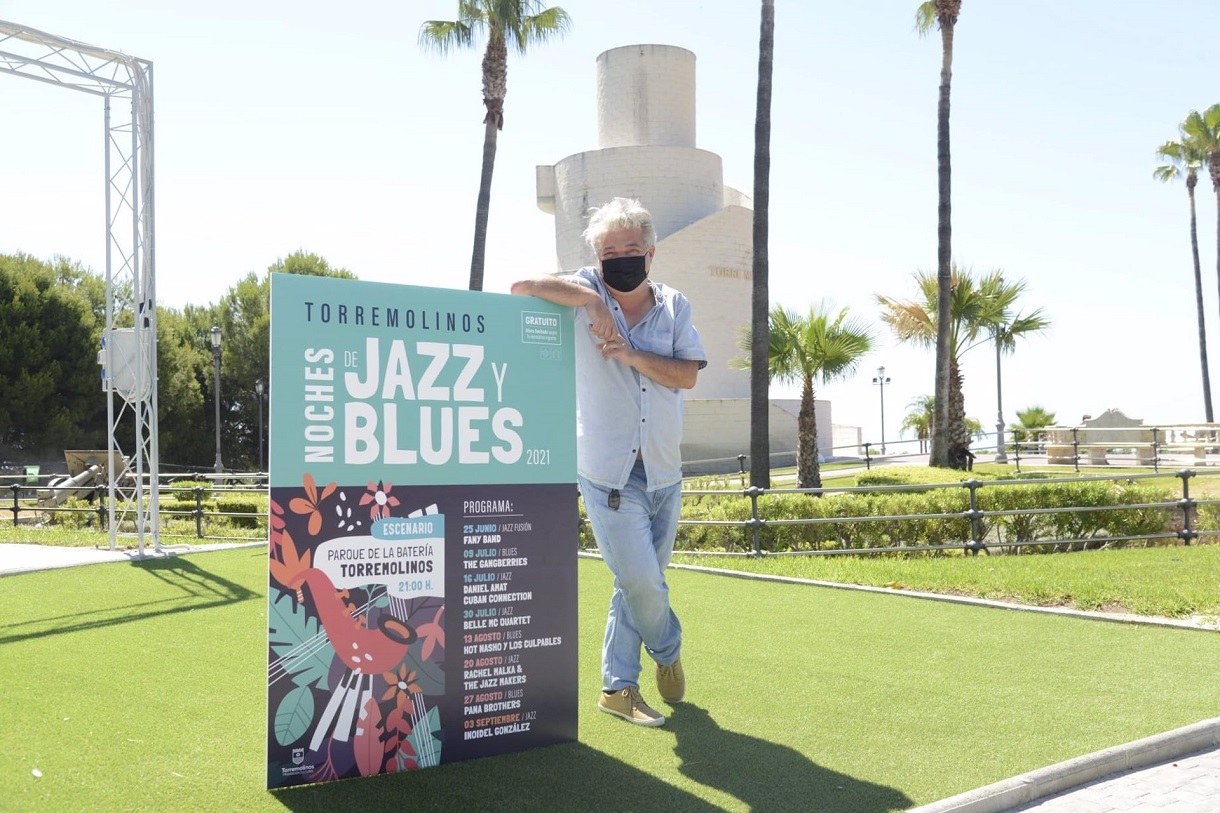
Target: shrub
{"x":931,"y":517}
{"x":185,"y":491}
{"x":882,"y":478}
{"x":75,"y":513}
{"x":236,"y":505}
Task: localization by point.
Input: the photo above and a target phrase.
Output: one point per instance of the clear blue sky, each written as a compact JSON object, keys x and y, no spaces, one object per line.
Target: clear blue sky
{"x":323,"y":126}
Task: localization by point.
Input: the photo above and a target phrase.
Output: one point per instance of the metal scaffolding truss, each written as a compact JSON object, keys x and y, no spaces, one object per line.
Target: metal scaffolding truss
{"x":129,"y":344}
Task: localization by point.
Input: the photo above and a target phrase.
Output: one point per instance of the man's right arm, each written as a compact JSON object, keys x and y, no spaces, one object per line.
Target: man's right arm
{"x":562,"y":292}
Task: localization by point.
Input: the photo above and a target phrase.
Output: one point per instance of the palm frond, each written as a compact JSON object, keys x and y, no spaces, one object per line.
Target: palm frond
{"x":549,"y":24}
{"x":444,"y":36}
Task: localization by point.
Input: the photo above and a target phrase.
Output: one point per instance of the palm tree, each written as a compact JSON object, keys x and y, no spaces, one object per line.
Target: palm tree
{"x":760,"y":440}
{"x":977,"y":309}
{"x":517,"y":22}
{"x":1185,"y":157}
{"x":1202,"y":131}
{"x":943,"y":13}
{"x":919,"y":419}
{"x":1030,"y":423}
{"x":822,"y":346}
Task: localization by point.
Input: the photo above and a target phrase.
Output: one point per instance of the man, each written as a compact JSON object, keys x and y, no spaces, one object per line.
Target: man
{"x":636,"y":350}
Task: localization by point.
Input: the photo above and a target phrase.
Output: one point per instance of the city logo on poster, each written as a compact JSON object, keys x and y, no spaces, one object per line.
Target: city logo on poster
{"x":298,"y":756}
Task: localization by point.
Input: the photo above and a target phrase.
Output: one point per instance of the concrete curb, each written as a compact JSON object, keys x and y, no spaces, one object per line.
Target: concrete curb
{"x":1029,"y":787}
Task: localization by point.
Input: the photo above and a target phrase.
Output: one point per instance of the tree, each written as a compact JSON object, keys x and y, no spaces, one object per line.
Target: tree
{"x":1202,"y":132}
{"x":51,"y":320}
{"x":183,"y":362}
{"x":1185,"y":156}
{"x":244,"y":317}
{"x":760,"y":432}
{"x":820,"y":346}
{"x":1030,"y":423}
{"x":943,"y":13}
{"x":919,"y":419}
{"x":977,"y":309}
{"x":517,"y":22}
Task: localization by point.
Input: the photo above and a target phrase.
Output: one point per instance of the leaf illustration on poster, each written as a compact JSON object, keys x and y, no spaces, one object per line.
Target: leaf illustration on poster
{"x":422,"y":444}
{"x":294,"y":714}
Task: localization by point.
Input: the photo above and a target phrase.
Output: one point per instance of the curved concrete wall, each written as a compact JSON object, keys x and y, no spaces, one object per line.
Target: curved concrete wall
{"x":646,"y":95}
{"x":679,"y":185}
{"x":711,"y":263}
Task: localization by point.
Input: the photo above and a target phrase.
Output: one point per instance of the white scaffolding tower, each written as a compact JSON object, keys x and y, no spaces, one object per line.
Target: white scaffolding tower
{"x":129,"y":344}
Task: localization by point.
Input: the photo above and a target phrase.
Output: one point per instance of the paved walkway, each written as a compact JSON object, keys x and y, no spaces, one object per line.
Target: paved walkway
{"x":28,"y":558}
{"x":1174,"y":772}
{"x":1190,"y":784}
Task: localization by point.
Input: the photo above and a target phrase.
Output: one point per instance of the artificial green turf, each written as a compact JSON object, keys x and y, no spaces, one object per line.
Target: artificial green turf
{"x":1174,"y":582}
{"x":141,"y":687}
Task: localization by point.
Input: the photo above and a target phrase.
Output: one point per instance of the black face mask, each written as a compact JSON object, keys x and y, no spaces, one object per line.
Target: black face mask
{"x":624,"y":273}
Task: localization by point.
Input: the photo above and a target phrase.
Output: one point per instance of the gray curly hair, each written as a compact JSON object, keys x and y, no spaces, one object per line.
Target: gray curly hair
{"x":619,"y":213}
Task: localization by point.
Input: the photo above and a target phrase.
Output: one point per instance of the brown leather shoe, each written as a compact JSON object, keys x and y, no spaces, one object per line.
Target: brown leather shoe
{"x":671,"y":682}
{"x":628,"y":704}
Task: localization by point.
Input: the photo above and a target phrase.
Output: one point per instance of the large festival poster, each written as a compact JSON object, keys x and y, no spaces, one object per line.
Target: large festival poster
{"x":422,"y":598}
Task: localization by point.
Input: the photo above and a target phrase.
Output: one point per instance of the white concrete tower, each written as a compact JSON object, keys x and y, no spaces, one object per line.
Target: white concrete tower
{"x":646,"y":150}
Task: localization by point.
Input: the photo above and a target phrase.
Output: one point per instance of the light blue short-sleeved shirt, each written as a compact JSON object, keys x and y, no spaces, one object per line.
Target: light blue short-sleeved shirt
{"x":620,"y":412}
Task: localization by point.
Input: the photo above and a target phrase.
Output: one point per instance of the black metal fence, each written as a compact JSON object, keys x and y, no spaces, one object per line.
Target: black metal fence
{"x":238,"y":499}
{"x":1179,"y":526}
{"x":195,"y":506}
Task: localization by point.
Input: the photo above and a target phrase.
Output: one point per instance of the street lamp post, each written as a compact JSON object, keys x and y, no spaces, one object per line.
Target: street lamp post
{"x":1000,"y":455}
{"x":259,"y":389}
{"x":215,"y":336}
{"x":881,"y":380}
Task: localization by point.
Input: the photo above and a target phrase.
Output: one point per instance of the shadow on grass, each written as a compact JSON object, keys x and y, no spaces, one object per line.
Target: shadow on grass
{"x":195,"y":588}
{"x":759,"y":775}
{"x":766,"y":776}
{"x":559,"y":778}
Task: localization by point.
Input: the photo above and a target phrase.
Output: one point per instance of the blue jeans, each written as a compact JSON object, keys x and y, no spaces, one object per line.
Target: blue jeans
{"x":636,"y":541}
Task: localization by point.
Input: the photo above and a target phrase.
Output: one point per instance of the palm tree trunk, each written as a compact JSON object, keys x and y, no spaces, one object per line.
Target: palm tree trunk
{"x":760,"y":374}
{"x":483,"y":206}
{"x":1194,"y":250}
{"x":959,"y":434}
{"x":1214,"y":167}
{"x":808,"y":472}
{"x":495,"y":87}
{"x":944,"y":247}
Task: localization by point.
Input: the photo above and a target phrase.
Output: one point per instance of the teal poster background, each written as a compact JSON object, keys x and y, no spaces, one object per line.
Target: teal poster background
{"x":422,"y":569}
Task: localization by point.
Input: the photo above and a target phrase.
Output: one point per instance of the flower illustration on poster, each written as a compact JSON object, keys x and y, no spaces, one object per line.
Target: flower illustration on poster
{"x":356,"y":631}
{"x":380,"y":499}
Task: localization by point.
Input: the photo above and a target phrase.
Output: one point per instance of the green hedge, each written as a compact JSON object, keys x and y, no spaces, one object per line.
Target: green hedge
{"x":184,"y":490}
{"x":75,"y":513}
{"x":912,"y":520}
{"x":237,"y":505}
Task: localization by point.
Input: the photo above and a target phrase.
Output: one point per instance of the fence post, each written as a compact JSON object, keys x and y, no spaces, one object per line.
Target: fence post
{"x":755,"y":522}
{"x":1016,"y":450}
{"x":867,"y":459}
{"x":1187,"y":505}
{"x":974,"y":545}
{"x":16,"y":509}
{"x":199,"y":511}
{"x":1156,"y":454}
{"x":1075,"y":451}
{"x":741,"y":464}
